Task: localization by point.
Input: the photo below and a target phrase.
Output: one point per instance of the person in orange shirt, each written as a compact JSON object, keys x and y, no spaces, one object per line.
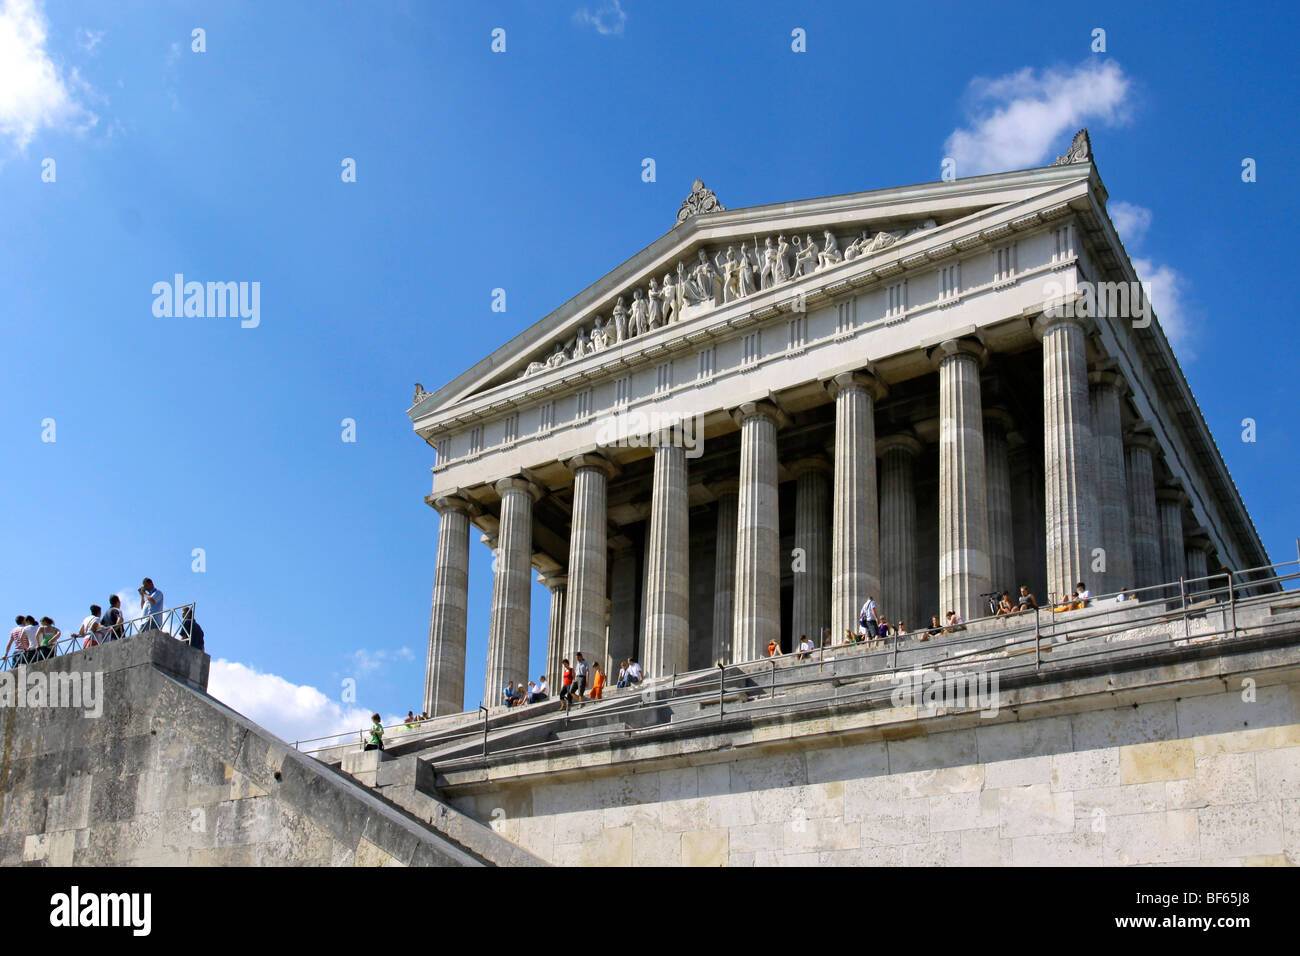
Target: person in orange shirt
{"x":773,"y":648}
{"x":598,"y":682}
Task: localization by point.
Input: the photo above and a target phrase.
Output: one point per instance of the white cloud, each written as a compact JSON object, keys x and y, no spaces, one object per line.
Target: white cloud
{"x":608,"y":20}
{"x":1026,"y":118}
{"x":290,"y":711}
{"x":1131,"y":222}
{"x":89,"y":39}
{"x":34,"y":94}
{"x":1166,"y":290}
{"x":367,"y":661}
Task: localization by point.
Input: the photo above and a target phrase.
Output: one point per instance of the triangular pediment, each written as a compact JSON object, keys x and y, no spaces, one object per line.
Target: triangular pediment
{"x":716,"y":256}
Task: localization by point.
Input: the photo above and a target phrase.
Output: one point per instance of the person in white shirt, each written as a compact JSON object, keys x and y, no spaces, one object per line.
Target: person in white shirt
{"x":867,"y":618}
{"x":18,"y":643}
{"x":90,"y":627}
{"x":1084,"y":594}
{"x":152,"y":599}
{"x":805,"y":648}
{"x":634,"y":673}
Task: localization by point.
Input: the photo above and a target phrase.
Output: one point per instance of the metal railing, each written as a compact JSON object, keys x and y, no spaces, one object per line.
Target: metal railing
{"x":169,"y":620}
{"x":1018,"y":642}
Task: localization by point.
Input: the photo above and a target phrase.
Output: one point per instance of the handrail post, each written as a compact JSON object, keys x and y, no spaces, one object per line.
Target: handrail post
{"x":1232,"y":602}
{"x":1182,"y":594}
{"x":772,"y":692}
{"x":1038,"y":642}
{"x":485,"y":729}
{"x":722,"y":683}
{"x":893,"y":663}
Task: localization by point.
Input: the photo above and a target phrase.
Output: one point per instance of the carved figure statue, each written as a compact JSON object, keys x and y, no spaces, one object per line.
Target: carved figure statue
{"x":783,"y":273}
{"x":830,"y":254}
{"x":558,"y":357}
{"x":805,"y":257}
{"x":748,"y":283}
{"x":656,"y":307}
{"x":704,"y":277}
{"x":638,"y":323}
{"x":767,"y":275}
{"x":730,"y":274}
{"x":599,"y":337}
{"x":671,"y":297}
{"x":582,"y":345}
{"x":620,"y":321}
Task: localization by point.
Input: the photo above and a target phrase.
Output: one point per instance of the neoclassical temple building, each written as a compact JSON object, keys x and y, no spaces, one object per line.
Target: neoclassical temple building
{"x":922,"y":394}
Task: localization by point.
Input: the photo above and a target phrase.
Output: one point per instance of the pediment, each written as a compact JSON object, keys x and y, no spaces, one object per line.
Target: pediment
{"x":715,"y":256}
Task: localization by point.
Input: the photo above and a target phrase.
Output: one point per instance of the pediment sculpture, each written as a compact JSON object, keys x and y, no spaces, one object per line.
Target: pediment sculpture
{"x":716,"y":278}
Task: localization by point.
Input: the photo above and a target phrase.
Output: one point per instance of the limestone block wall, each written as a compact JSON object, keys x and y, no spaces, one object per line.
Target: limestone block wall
{"x":1206,"y":779}
{"x":169,"y":776}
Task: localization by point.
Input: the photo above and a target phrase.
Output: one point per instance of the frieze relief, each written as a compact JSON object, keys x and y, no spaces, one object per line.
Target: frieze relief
{"x":715,"y":278}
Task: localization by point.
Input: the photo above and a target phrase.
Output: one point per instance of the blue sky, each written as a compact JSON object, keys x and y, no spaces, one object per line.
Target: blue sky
{"x":520,"y":170}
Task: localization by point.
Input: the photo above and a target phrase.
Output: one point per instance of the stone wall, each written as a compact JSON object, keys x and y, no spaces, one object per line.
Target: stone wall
{"x":1201,"y":777}
{"x":168,"y":775}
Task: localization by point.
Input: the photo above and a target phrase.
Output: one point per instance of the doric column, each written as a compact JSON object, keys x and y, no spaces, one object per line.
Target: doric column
{"x":1197,"y":552}
{"x":963,"y":495}
{"x":855,"y":515}
{"x":508,"y":624}
{"x":997,"y":473}
{"x":622,"y":600}
{"x":558,"y":585}
{"x":1068,"y":452}
{"x":812,"y":584}
{"x":1140,"y":446}
{"x":1173,"y":558}
{"x":444,"y":673}
{"x":898,"y":593}
{"x":758,"y":542}
{"x":724,"y":573}
{"x":667,"y":622}
{"x":1106,"y":389}
{"x":1028,"y":531}
{"x":585,"y":614}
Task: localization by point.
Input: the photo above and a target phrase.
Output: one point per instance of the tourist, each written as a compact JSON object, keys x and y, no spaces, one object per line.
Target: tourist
{"x":566,"y":683}
{"x":152,"y":600}
{"x":18,"y":643}
{"x":901,"y":629}
{"x":1066,"y":603}
{"x":867,"y":618}
{"x":508,"y":695}
{"x":1005,"y":606}
{"x":1124,"y":596}
{"x":90,"y":627}
{"x":112,"y":621}
{"x":539,"y":690}
{"x":410,"y":720}
{"x":597,"y":682}
{"x":1026,"y":601}
{"x":47,"y":639}
{"x":190,"y":630}
{"x":633,"y":672}
{"x":805,"y":648}
{"x":851,"y":637}
{"x":773,"y":648}
{"x":1083,"y":593}
{"x":580,"y":677}
{"x":955,"y":623}
{"x":882,"y":629}
{"x":622,"y":675}
{"x":376,"y":741}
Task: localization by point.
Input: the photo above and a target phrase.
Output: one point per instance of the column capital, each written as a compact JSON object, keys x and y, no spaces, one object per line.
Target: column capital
{"x":1142,"y":435}
{"x":1045,"y":321}
{"x":1106,"y":374}
{"x":489,"y":538}
{"x":814,"y":463}
{"x":1198,"y":539}
{"x":999,"y":418}
{"x":761,"y":409}
{"x":899,"y":441}
{"x":593,"y":460}
{"x":554,"y":582}
{"x":520,"y":483}
{"x":727,"y":486}
{"x":954,"y":348}
{"x":1171,"y":490}
{"x":452,"y":501}
{"x":865,"y":379}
